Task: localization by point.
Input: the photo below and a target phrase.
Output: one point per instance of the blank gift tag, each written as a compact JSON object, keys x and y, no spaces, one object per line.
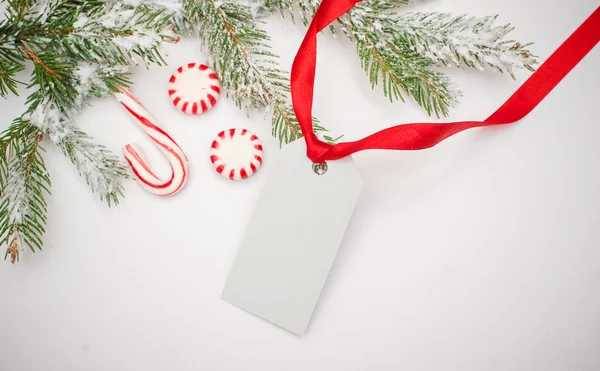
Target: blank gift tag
{"x":293,"y":238}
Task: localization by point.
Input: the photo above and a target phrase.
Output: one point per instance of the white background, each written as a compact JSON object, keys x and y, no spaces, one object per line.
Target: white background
{"x":480,"y":254}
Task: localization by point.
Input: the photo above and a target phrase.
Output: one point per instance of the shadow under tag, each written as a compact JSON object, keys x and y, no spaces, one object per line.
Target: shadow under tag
{"x":292,"y":238}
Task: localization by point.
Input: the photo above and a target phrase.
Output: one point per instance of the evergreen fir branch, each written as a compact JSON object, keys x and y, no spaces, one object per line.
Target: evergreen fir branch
{"x":93,"y":31}
{"x":307,"y":10}
{"x":284,"y":7}
{"x":50,"y":74}
{"x":179,"y":19}
{"x":116,"y":33}
{"x":389,"y":60}
{"x":287,"y":129}
{"x":247,"y":68}
{"x":39,"y":24}
{"x":288,"y":8}
{"x":386,"y":59}
{"x":8,"y":69}
{"x":401,"y":51}
{"x":463,"y":41}
{"x":78,"y":50}
{"x":13,"y":29}
{"x":24,"y":181}
{"x":101,"y":169}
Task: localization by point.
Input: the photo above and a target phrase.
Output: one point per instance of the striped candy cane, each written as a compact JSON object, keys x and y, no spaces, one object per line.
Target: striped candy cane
{"x":171,"y":150}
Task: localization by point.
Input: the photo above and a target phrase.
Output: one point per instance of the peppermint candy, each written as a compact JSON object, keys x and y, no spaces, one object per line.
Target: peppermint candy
{"x":236,"y":154}
{"x":194,"y":88}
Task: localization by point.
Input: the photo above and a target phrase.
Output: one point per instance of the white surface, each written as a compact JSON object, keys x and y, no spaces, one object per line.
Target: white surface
{"x":480,"y":254}
{"x":289,"y":247}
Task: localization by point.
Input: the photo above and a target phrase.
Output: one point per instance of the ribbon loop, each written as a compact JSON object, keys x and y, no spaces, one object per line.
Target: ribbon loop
{"x":318,"y":151}
{"x":425,"y":135}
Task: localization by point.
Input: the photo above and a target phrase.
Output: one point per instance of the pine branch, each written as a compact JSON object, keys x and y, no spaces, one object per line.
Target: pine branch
{"x":63,"y":86}
{"x":247,"y":68}
{"x":8,"y":70}
{"x":401,"y":51}
{"x":463,"y":41}
{"x":391,"y":62}
{"x":24,"y":181}
{"x":306,"y":8}
{"x":116,"y":33}
{"x":11,"y":59}
{"x":74,"y":57}
{"x":385,"y":58}
{"x":179,"y":19}
{"x":101,"y":169}
{"x":285,"y":7}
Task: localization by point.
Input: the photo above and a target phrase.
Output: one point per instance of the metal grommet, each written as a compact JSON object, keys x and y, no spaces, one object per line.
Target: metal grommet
{"x":320,"y":169}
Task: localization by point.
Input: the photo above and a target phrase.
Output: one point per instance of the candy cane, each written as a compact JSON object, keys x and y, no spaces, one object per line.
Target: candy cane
{"x":171,"y":150}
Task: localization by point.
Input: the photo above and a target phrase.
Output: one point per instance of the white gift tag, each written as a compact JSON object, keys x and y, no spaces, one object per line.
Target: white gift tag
{"x":293,"y":238}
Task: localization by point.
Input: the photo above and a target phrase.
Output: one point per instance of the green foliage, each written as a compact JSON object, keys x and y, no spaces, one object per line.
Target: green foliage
{"x":101,"y":169}
{"x":463,"y":41}
{"x":8,"y":69}
{"x":401,"y":51}
{"x":24,"y":182}
{"x":306,"y":8}
{"x":247,"y":67}
{"x":78,"y":49}
{"x":114,"y":35}
{"x":390,"y":61}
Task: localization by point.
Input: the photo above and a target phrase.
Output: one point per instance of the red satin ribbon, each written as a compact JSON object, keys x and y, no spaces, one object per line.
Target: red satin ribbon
{"x":425,"y":135}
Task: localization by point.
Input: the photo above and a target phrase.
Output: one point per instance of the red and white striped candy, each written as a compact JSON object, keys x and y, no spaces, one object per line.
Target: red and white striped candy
{"x":171,"y":150}
{"x":236,"y":154}
{"x":194,"y":88}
